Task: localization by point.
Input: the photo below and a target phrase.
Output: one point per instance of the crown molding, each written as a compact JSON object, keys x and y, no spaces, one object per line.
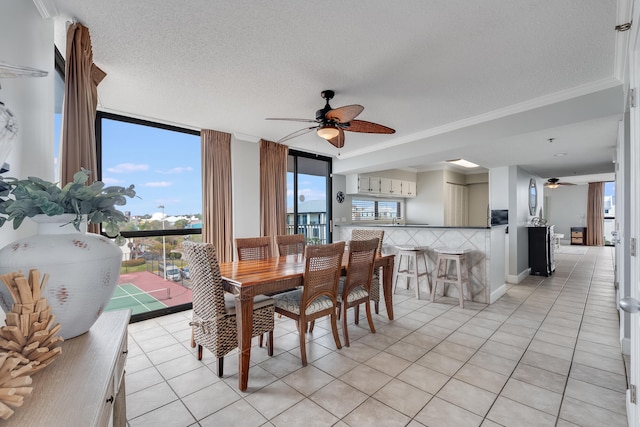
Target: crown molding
{"x":46,"y":8}
{"x":521,"y":107}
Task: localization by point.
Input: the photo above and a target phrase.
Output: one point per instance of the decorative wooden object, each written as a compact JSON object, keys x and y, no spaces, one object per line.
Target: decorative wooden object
{"x":30,"y":331}
{"x":14,"y":383}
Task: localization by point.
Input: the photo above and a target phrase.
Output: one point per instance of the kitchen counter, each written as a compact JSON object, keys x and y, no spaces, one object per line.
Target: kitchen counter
{"x":486,"y":259}
{"x":407,"y":226}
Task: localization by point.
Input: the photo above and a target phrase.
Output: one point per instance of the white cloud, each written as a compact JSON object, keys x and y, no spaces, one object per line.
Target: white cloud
{"x":158,"y":184}
{"x":111,"y":181}
{"x":128,"y":167}
{"x":180,"y":169}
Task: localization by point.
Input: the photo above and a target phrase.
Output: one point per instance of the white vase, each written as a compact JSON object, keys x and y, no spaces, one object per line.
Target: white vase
{"x":83,"y":270}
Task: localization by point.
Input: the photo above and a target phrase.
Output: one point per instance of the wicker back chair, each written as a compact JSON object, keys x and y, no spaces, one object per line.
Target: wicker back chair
{"x":359,"y":234}
{"x":318,"y":295}
{"x":354,"y":288}
{"x":290,"y":244}
{"x":249,"y":248}
{"x":214,"y":312}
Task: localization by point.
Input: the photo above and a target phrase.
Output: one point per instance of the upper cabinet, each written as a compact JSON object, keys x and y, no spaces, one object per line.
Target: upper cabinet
{"x":360,"y":184}
{"x":374,"y":186}
{"x":408,"y":189}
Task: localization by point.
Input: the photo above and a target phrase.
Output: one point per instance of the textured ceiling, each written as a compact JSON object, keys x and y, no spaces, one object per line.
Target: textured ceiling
{"x":490,"y":81}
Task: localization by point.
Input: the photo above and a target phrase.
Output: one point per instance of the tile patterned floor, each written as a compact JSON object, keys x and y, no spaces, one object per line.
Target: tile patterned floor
{"x":545,"y":354}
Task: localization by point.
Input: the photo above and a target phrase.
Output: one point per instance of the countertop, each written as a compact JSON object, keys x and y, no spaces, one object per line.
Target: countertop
{"x":408,"y":226}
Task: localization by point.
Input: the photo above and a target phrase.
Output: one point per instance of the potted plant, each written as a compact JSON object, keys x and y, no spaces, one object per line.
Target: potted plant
{"x":83,"y":268}
{"x":34,"y":196}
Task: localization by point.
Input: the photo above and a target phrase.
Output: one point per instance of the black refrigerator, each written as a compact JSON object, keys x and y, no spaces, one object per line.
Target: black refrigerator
{"x":541,"y":246}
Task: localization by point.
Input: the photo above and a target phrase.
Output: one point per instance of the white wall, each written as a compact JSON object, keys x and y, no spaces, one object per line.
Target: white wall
{"x":341,"y":211}
{"x":245,"y":177}
{"x":566,"y":207}
{"x":27,"y":40}
{"x":499,"y":188}
{"x":428,"y":205}
{"x":519,"y":220}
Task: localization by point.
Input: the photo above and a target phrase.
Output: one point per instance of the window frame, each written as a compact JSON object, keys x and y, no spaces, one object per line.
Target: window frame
{"x":144,"y":233}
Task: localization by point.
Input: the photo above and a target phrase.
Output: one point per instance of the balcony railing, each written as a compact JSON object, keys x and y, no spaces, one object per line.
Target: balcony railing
{"x":315,"y":234}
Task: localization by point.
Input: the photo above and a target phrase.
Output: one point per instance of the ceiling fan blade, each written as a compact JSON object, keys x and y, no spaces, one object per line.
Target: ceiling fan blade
{"x":344,"y":114}
{"x":338,"y":141}
{"x":297,"y":133}
{"x":293,"y":120}
{"x":367,"y":127}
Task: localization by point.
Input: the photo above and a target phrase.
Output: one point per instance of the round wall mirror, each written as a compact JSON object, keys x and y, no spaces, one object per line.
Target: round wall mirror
{"x":533,"y":197}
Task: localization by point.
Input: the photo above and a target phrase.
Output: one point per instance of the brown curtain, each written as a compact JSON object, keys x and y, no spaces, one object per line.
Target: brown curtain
{"x":82,"y":76}
{"x":595,"y":214}
{"x":78,"y":134}
{"x":217,"y":220}
{"x":273,"y":188}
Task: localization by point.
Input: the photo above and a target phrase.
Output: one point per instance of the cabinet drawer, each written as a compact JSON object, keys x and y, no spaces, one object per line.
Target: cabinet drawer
{"x":576,"y":234}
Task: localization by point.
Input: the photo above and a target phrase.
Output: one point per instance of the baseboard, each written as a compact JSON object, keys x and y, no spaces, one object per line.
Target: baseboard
{"x":497,"y":293}
{"x":519,"y":278}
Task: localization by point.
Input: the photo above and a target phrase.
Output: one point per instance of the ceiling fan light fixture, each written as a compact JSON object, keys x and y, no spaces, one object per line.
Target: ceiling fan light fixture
{"x":462,"y":162}
{"x":328,"y":132}
{"x":552,"y":186}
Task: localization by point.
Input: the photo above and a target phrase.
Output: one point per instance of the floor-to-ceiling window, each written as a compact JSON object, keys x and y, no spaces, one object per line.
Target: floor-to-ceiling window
{"x":308,"y":200}
{"x":163,"y":162}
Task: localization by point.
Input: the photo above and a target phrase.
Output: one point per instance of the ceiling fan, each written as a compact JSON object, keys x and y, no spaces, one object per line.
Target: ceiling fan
{"x":555,"y":183}
{"x":330,"y":123}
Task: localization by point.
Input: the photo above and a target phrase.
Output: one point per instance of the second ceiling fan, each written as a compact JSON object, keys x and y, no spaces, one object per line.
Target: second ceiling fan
{"x":330,"y":123}
{"x":555,"y":183}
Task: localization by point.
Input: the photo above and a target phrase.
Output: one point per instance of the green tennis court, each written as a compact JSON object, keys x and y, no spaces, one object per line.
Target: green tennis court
{"x":138,"y":301}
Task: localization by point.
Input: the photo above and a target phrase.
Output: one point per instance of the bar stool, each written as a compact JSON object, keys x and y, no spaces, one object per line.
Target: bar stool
{"x":410,"y":255}
{"x":461,"y":277}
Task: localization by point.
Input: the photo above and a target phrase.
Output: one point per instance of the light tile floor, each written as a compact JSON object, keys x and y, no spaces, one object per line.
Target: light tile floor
{"x":545,"y":354}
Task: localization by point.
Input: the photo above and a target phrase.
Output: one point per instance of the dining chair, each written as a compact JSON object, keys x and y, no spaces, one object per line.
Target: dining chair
{"x":290,"y":244}
{"x":248,"y":248}
{"x":318,"y":296}
{"x":360,"y":234}
{"x":252,"y":248}
{"x":353,"y":289}
{"x":214,"y":312}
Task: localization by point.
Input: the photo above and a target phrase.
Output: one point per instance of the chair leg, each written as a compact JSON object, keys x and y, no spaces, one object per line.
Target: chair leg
{"x":345,"y":331}
{"x":260,"y":340}
{"x":367,"y":308}
{"x":270,"y":343}
{"x":334,"y":328}
{"x":356,"y":312}
{"x":311,"y":325}
{"x":220,"y":366}
{"x":376,"y":307}
{"x":303,"y":348}
{"x":199,"y":352}
{"x":193,"y":339}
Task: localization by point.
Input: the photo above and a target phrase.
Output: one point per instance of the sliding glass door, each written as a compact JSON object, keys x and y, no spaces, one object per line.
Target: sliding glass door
{"x":308,"y":197}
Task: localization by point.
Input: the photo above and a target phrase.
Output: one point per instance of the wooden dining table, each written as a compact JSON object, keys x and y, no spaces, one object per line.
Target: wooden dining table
{"x":246,"y":279}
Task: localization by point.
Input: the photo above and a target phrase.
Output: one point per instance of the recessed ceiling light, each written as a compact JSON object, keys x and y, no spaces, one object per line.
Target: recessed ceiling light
{"x":559,"y":154}
{"x":462,"y":162}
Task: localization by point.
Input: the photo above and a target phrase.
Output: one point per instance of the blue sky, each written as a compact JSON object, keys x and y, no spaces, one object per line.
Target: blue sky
{"x":163,"y":165}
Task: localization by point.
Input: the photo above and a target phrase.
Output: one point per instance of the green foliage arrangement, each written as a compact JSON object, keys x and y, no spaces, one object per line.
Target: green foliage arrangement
{"x":34,"y":196}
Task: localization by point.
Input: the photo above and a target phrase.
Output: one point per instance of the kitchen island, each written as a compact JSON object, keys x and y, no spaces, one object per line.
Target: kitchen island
{"x":486,"y":260}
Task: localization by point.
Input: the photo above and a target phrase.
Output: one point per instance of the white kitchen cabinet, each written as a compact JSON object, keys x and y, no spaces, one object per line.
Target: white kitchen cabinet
{"x":385,"y":186}
{"x":390,"y":187}
{"x":408,"y":189}
{"x":375,"y":186}
{"x":361,"y":184}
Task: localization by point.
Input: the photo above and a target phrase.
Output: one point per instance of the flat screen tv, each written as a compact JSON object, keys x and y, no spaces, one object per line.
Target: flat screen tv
{"x":499,"y":217}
